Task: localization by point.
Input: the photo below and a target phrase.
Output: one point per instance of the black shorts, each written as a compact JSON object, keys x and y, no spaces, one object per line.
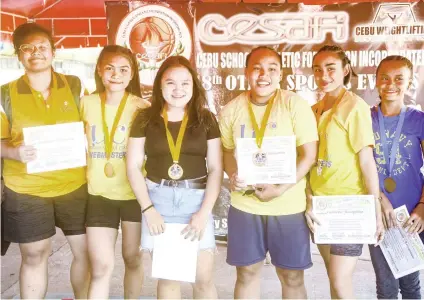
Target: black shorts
{"x":103,"y":212}
{"x":29,"y":218}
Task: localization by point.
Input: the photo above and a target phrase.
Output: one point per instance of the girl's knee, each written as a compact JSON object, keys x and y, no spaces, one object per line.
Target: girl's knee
{"x":132,"y":260}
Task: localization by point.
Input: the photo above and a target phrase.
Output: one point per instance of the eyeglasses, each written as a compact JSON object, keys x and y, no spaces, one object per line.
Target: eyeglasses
{"x":31,"y":49}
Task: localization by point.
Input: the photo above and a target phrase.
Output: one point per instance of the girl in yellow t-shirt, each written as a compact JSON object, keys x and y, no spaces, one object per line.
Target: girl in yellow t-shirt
{"x":108,"y":115}
{"x":345,"y":163}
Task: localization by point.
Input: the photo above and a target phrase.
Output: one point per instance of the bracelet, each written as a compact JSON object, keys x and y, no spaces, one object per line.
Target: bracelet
{"x":147,"y":208}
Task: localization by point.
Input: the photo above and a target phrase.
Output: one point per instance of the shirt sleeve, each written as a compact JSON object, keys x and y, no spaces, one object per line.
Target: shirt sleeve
{"x":226,"y":126}
{"x":421,"y":116}
{"x":5,"y":125}
{"x":304,"y":122}
{"x":359,"y":127}
{"x":137,"y":131}
{"x":213,"y":130}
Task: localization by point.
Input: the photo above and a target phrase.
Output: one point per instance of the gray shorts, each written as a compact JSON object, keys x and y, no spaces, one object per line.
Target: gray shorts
{"x":346,"y":249}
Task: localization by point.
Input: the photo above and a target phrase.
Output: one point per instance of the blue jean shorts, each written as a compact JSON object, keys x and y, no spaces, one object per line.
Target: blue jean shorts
{"x":176,"y":205}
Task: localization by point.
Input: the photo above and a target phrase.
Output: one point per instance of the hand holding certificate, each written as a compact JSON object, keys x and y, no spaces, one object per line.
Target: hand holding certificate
{"x":404,"y":252}
{"x":345,"y":219}
{"x":58,"y":147}
{"x":275,"y":163}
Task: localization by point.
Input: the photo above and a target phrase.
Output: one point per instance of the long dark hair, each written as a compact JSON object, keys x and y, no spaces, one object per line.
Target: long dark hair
{"x":197,"y":107}
{"x":134,"y":85}
{"x":343,"y":57}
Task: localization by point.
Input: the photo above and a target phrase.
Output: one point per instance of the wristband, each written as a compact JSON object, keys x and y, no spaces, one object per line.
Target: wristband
{"x":147,"y":208}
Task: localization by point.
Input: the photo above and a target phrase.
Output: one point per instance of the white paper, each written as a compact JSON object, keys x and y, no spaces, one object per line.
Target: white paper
{"x":280,"y":166}
{"x":404,"y":252}
{"x":174,"y":258}
{"x":59,"y":147}
{"x":345,"y":219}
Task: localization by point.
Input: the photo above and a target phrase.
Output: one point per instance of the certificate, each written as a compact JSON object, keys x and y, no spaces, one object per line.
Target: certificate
{"x":59,"y":147}
{"x":279,"y":166}
{"x":404,"y":253}
{"x":174,"y":257}
{"x":345,"y":219}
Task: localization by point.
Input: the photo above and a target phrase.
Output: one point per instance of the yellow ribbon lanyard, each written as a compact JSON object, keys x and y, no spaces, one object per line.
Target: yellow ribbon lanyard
{"x":109,"y":136}
{"x":322,"y":151}
{"x":175,"y":148}
{"x":260,"y":132}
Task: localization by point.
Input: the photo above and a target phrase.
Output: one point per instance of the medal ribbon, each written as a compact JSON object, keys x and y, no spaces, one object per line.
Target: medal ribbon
{"x":395,"y":143}
{"x":260,"y":132}
{"x":322,"y":149}
{"x":109,"y":137}
{"x":175,"y":148}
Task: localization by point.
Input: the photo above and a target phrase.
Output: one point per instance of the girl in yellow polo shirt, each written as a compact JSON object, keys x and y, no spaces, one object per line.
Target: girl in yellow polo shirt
{"x":345,"y":158}
{"x":108,"y":115}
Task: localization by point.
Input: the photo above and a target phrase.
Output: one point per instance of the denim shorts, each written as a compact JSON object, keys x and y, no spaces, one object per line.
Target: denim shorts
{"x":176,"y":205}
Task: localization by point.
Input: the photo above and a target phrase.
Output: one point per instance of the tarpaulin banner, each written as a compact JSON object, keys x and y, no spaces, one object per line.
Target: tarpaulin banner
{"x":217,"y":38}
{"x":368,"y":32}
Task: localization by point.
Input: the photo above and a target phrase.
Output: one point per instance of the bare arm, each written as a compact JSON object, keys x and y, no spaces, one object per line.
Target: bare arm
{"x":230,"y":167}
{"x":307,"y":154}
{"x":416,"y":221}
{"x":199,"y":220}
{"x":215,"y":174}
{"x":135,"y":159}
{"x":21,"y":153}
{"x":311,"y":219}
{"x":305,"y":160}
{"x":7,"y":150}
{"x":369,"y":171}
{"x":422,"y":192}
{"x":230,"y":163}
{"x":308,"y":191}
{"x":370,"y":175}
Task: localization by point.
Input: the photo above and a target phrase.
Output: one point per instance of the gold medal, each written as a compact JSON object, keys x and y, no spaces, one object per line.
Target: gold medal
{"x":324,"y":159}
{"x":109,"y":171}
{"x":175,"y":171}
{"x":389,"y":185}
{"x":259,"y":159}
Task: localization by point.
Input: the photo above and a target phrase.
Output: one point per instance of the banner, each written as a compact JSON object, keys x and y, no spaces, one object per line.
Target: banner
{"x":152,"y":32}
{"x":367,"y":31}
{"x":217,"y":38}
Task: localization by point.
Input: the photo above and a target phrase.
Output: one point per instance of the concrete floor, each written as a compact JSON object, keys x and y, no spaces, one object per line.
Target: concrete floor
{"x":59,"y":285}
